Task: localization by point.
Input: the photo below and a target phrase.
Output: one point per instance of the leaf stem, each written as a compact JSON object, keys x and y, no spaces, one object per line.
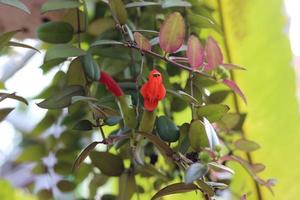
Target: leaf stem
{"x":235,"y":99}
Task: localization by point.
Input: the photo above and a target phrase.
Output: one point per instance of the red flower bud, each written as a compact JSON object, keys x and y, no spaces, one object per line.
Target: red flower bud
{"x":110,"y":84}
{"x":153,"y":91}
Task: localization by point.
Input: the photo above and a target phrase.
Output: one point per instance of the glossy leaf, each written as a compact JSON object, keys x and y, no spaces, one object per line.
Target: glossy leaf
{"x":166,"y":129}
{"x":105,"y":42}
{"x":75,"y":74}
{"x":17,"y":44}
{"x":4,"y":112}
{"x":90,"y":67}
{"x":85,"y":153}
{"x":6,"y":37}
{"x":172,"y":33}
{"x":113,"y":120}
{"x":62,"y":99}
{"x":195,"y":52}
{"x":63,"y":51}
{"x":175,"y":3}
{"x":101,"y":25}
{"x":219,"y":96}
{"x":142,"y":42}
{"x":109,"y":164}
{"x":213,"y":54}
{"x":12,"y":96}
{"x":246,"y":145}
{"x":59,"y":5}
{"x":174,"y":189}
{"x":55,"y":32}
{"x":17,"y":4}
{"x":202,"y":21}
{"x":142,"y":4}
{"x":232,"y":85}
{"x":211,"y":134}
{"x":194,"y":172}
{"x":118,"y":11}
{"x":219,"y":168}
{"x":213,"y":112}
{"x":197,"y":136}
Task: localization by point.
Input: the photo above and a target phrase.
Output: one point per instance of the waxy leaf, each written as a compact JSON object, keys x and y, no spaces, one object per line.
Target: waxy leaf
{"x":142,"y":42}
{"x":219,"y":96}
{"x":172,"y":33}
{"x":232,"y":85}
{"x":62,"y":98}
{"x":197,"y":136}
{"x":194,"y":172}
{"x":213,"y":112}
{"x":211,"y":134}
{"x":17,"y":4}
{"x":90,"y":67}
{"x":246,"y":145}
{"x":142,"y":4}
{"x":213,"y":54}
{"x":175,"y":3}
{"x":118,"y":11}
{"x":4,"y":112}
{"x":52,"y":5}
{"x":195,"y":52}
{"x":85,"y":153}
{"x":55,"y":32}
{"x":166,"y":129}
{"x":63,"y":51}
{"x":175,"y":189}
{"x":109,"y":164}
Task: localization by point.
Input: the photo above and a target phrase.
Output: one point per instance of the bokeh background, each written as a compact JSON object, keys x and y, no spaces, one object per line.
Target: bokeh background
{"x":264,"y":37}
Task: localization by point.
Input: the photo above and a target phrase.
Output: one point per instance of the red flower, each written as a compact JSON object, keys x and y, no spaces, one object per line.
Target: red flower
{"x":110,"y":84}
{"x":153,"y":91}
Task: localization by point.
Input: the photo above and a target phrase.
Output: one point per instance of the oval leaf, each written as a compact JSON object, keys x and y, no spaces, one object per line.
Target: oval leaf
{"x":212,"y":112}
{"x":218,"y":167}
{"x":166,"y":129}
{"x":211,"y":134}
{"x":90,"y":67}
{"x":195,"y":52}
{"x":63,"y":51}
{"x":83,"y":125}
{"x":109,"y":164}
{"x":52,"y":5}
{"x":66,"y":186}
{"x":194,"y":172}
{"x":232,"y":85}
{"x":55,"y":32}
{"x":63,"y":98}
{"x":175,"y":189}
{"x":172,"y":33}
{"x":118,"y":11}
{"x":213,"y":54}
{"x":246,"y":145}
{"x":197,"y":136}
{"x":142,"y":42}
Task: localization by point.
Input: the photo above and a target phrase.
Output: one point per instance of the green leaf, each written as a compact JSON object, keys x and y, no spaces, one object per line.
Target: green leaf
{"x":199,"y":21}
{"x":127,"y":186}
{"x":142,"y":4}
{"x":219,"y":96}
{"x":83,"y":98}
{"x":194,"y":172}
{"x":6,"y":37}
{"x":185,"y":96}
{"x":17,"y":44}
{"x":127,"y":111}
{"x":17,"y":4}
{"x":172,"y":33}
{"x":39,"y":168}
{"x":219,"y":168}
{"x":55,"y":32}
{"x":166,"y":129}
{"x":246,"y":145}
{"x":197,"y":136}
{"x":62,"y":98}
{"x":105,"y":42}
{"x":100,"y":25}
{"x":206,"y":188}
{"x":90,"y":67}
{"x":213,"y":112}
{"x":4,"y":112}
{"x":211,"y":134}
{"x":83,"y":125}
{"x":63,"y":51}
{"x":118,"y":11}
{"x":142,"y":42}
{"x":52,"y":5}
{"x":174,"y":189}
{"x":32,"y":153}
{"x":75,"y":74}
{"x":85,"y":153}
{"x":12,"y":96}
{"x":109,"y":164}
{"x":63,"y":168}
{"x":113,"y":120}
{"x":66,"y":186}
{"x":175,"y":3}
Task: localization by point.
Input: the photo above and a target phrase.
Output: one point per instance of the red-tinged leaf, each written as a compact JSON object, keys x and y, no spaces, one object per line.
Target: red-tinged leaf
{"x":235,"y":88}
{"x":232,"y":66}
{"x":142,"y":42}
{"x":246,"y":145}
{"x":244,"y":197}
{"x":172,"y":33}
{"x":174,"y":189}
{"x":258,"y":167}
{"x":213,"y":54}
{"x":195,"y":52}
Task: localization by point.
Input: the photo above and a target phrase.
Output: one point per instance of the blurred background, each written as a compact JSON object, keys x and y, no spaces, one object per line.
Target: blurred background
{"x":264,"y":37}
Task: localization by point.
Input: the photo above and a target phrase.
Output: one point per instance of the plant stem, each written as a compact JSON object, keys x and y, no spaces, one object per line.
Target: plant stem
{"x":235,"y":99}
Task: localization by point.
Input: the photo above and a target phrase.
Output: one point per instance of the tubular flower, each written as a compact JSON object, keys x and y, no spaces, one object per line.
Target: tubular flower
{"x":110,"y":84}
{"x":153,"y":91}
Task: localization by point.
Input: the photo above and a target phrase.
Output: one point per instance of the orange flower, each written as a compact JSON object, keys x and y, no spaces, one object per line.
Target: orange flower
{"x":153,"y":91}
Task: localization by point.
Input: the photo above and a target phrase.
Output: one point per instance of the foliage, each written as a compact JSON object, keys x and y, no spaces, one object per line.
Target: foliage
{"x":105,"y":88}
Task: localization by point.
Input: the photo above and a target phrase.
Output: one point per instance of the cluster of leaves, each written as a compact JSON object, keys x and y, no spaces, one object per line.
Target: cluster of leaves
{"x":126,"y":41}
